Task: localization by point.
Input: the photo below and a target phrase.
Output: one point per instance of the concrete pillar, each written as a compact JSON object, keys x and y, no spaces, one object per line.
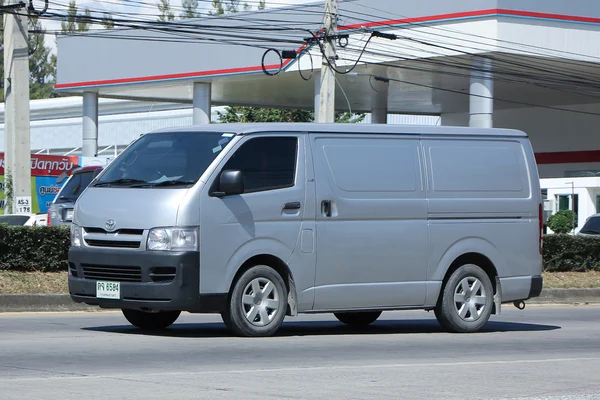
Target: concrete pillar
{"x":481,"y":101}
{"x":379,"y":101}
{"x":90,"y":124}
{"x":17,"y":151}
{"x":317,"y":96}
{"x":202,"y":103}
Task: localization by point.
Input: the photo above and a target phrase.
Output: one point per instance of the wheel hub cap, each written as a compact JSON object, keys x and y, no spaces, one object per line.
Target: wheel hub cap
{"x":470,"y":299}
{"x":260,"y":302}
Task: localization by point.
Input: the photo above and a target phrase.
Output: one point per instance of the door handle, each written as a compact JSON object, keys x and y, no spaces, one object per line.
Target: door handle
{"x":292,"y":206}
{"x":326,"y":207}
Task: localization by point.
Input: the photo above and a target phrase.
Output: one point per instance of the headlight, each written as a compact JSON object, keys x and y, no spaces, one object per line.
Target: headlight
{"x":173,"y":239}
{"x":75,"y":235}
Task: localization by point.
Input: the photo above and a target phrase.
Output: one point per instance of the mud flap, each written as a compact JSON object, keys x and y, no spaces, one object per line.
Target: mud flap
{"x":292,"y":308}
{"x":497,"y":297}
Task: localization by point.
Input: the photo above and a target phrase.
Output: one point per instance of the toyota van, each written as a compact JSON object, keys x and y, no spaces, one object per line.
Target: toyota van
{"x":257,"y":222}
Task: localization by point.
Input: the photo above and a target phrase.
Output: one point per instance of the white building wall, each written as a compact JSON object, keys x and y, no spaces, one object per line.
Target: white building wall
{"x":550,"y":38}
{"x":585,"y":188}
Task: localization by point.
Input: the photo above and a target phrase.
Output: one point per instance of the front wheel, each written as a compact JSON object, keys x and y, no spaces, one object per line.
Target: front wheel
{"x":358,"y":319}
{"x":258,"y":303}
{"x":466,"y":301}
{"x":151,"y":321}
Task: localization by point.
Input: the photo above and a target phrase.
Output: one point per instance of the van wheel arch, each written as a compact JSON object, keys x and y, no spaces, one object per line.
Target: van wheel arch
{"x":282,"y":269}
{"x":477,"y":259}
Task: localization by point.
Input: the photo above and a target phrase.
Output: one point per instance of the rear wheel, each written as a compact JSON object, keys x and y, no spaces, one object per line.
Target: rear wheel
{"x":150,"y":321}
{"x":466,"y":301}
{"x":358,"y":319}
{"x":258,"y":303}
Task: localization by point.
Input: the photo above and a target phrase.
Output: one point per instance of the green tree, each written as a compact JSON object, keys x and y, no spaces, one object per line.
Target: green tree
{"x":107,"y":21}
{"x":41,"y":68}
{"x":75,"y":22}
{"x":257,"y":114}
{"x":166,"y":14}
{"x":346,"y":117}
{"x":563,"y":221}
{"x":190,"y":9}
{"x":218,"y":8}
{"x":8,"y":191}
{"x":42,"y":64}
{"x":221,"y":7}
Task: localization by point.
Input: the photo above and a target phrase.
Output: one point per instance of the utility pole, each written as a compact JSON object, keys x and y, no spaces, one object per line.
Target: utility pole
{"x":16,"y":99}
{"x":327,"y":93}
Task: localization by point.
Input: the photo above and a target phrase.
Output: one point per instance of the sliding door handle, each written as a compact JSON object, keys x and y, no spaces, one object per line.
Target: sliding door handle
{"x":292,"y":206}
{"x":326,"y":208}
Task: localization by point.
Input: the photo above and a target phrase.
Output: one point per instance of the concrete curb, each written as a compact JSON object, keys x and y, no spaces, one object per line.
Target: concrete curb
{"x":567,"y":296}
{"x":41,"y":302}
{"x":63,"y":302}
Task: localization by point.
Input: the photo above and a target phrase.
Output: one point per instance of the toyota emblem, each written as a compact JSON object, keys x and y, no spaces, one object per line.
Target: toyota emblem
{"x":110,"y":224}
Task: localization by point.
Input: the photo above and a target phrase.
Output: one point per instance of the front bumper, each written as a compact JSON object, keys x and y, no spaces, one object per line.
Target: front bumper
{"x":149,"y":280}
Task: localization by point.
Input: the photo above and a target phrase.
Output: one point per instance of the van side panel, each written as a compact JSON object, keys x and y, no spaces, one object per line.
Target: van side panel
{"x":372,"y":247}
{"x":482,"y":199}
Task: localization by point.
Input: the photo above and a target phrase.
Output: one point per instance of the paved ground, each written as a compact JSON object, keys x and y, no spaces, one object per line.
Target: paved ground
{"x":541,"y":353}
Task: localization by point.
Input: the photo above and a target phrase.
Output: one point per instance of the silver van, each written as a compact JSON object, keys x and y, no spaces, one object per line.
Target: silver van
{"x":60,"y":211}
{"x":260,"y":221}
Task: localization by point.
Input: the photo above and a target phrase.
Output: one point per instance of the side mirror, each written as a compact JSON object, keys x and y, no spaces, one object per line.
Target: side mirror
{"x":231,"y":183}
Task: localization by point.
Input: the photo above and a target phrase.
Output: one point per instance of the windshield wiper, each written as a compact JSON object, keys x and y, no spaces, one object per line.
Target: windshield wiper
{"x":175,"y":182}
{"x":122,"y":181}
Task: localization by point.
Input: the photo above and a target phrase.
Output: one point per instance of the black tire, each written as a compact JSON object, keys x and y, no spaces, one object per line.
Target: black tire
{"x":470,"y":310}
{"x":358,"y":319}
{"x":253,"y":314}
{"x":151,"y":321}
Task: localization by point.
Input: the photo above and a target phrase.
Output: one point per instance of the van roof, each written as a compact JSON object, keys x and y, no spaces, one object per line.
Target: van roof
{"x":309,"y":127}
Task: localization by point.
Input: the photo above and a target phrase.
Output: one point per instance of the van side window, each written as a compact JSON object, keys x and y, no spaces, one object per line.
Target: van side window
{"x":266,"y":163}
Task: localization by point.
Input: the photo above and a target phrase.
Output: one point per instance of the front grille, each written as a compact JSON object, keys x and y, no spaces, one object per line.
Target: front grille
{"x":163,"y":274}
{"x":138,"y":232}
{"x":112,"y":273}
{"x":123,"y":244}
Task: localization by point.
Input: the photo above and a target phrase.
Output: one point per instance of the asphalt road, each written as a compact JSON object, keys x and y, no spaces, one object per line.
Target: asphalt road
{"x":538,"y":353}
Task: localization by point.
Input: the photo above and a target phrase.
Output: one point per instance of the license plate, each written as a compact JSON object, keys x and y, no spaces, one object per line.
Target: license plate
{"x":108,"y":290}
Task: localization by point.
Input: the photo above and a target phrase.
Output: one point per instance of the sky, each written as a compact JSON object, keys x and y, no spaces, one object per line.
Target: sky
{"x":146,"y":9}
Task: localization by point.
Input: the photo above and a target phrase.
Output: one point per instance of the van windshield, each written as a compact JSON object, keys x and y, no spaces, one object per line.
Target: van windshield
{"x":592,"y":226}
{"x":74,"y":187}
{"x":165,"y":160}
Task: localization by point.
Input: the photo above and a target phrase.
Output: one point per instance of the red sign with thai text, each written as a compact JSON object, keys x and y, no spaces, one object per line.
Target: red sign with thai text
{"x":46,"y":165}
